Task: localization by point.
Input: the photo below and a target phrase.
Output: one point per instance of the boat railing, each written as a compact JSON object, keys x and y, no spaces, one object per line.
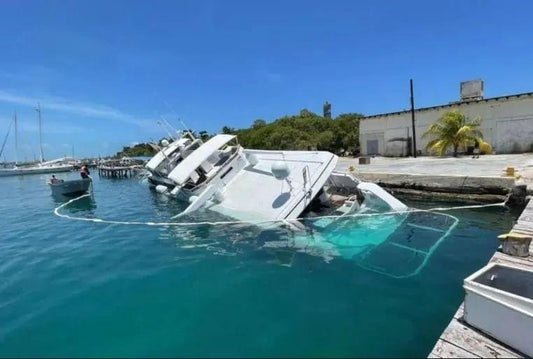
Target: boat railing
{"x":307,"y":179}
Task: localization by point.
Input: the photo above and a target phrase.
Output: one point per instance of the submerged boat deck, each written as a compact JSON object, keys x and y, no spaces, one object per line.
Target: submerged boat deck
{"x":459,"y":340}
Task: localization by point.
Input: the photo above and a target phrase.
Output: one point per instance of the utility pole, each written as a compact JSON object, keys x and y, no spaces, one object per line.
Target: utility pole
{"x":413,"y":117}
{"x":38,"y":109}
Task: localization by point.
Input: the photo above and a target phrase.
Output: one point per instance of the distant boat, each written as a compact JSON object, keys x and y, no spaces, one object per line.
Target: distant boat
{"x":64,"y":164}
{"x":70,"y":188}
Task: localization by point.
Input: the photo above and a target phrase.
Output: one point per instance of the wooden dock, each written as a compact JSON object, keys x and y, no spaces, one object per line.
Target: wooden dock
{"x":459,"y":340}
{"x":115,"y":171}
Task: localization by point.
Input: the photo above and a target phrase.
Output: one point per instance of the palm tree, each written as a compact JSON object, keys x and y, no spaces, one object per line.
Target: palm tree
{"x":453,"y":129}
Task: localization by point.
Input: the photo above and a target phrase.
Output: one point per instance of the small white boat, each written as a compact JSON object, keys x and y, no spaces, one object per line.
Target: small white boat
{"x":70,"y":188}
{"x":258,"y":185}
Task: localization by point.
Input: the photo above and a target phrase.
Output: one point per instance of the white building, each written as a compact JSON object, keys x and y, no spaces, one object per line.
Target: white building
{"x":507,"y":124}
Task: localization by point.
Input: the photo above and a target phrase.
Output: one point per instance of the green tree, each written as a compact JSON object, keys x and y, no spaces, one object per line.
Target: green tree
{"x":204,"y":136}
{"x":346,"y":132}
{"x":259,"y":123}
{"x":306,"y":113}
{"x":228,"y":130}
{"x":305,"y":131}
{"x":140,"y":149}
{"x":453,"y":129}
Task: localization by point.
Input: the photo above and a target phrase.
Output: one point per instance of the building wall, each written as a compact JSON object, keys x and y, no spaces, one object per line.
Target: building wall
{"x":507,"y":124}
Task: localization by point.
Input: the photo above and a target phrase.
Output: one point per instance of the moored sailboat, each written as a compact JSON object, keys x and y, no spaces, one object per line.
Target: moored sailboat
{"x":42,"y":167}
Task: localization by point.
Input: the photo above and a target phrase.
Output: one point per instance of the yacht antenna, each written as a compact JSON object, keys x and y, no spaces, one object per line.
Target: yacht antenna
{"x":170,"y":126}
{"x":38,"y":109}
{"x":166,"y":130}
{"x":186,"y":128}
{"x":182,"y":123}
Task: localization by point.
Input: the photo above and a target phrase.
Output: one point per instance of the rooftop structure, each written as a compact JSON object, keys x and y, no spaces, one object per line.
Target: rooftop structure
{"x":507,"y":123}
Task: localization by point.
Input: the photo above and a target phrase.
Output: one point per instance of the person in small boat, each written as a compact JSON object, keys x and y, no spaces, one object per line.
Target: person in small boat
{"x":84,"y":172}
{"x":54,"y":180}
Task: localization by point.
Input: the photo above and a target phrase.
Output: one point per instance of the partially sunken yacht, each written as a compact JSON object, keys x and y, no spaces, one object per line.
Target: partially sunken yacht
{"x":260,"y":185}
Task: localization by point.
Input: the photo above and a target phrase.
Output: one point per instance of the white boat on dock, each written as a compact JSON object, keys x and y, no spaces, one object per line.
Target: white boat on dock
{"x":260,"y":185}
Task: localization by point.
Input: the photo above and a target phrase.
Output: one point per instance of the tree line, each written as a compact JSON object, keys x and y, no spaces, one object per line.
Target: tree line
{"x":139,"y":150}
{"x":305,"y":131}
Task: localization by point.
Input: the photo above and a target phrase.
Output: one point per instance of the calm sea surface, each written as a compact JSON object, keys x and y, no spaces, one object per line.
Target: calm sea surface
{"x":70,"y":288}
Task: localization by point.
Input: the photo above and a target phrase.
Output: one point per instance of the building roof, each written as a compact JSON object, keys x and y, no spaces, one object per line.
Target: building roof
{"x":453,"y":104}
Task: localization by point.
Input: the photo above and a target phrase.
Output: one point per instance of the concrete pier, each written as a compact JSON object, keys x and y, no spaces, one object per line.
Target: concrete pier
{"x":481,"y":179}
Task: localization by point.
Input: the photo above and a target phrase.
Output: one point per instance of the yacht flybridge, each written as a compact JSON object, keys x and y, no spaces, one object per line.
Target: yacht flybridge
{"x":260,"y":185}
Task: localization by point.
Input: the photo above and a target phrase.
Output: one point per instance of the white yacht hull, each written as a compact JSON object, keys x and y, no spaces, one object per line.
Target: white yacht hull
{"x":255,"y":194}
{"x":249,"y":185}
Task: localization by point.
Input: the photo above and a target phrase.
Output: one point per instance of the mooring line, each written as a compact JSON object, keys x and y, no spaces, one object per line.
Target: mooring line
{"x":252,"y":222}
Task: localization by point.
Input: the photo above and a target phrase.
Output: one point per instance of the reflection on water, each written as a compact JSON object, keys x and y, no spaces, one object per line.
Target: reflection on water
{"x":77,"y":288}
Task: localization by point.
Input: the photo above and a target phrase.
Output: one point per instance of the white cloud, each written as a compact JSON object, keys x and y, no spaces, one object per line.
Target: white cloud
{"x":83,"y":109}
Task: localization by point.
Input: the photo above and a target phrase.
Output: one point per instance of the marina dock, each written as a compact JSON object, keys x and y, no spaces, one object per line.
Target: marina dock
{"x":459,"y":340}
{"x":119,"y":168}
{"x":115,"y":171}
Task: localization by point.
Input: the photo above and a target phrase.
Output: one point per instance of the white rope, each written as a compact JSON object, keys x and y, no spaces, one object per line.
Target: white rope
{"x":185,"y":224}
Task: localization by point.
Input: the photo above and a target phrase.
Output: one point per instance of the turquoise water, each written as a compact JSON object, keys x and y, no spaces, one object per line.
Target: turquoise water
{"x":73,"y":288}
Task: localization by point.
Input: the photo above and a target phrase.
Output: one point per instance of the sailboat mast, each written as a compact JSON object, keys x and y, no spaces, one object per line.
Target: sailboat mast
{"x":16,"y":140}
{"x":38,"y":109}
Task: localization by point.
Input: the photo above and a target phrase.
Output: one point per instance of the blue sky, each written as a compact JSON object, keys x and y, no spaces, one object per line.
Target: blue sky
{"x":104,"y":71}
